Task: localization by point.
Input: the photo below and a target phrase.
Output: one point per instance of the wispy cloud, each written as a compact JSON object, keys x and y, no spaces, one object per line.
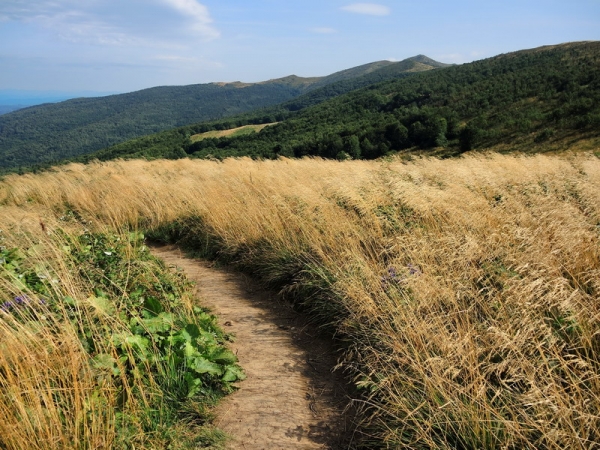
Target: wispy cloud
{"x":198,"y":13}
{"x":323,"y":30}
{"x":27,"y":11}
{"x":114,"y":22}
{"x":80,"y":27}
{"x":371,"y":9}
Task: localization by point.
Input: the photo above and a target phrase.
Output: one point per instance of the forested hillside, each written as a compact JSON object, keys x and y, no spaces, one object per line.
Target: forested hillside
{"x":48,"y":133}
{"x":54,"y":131}
{"x":540,"y":99}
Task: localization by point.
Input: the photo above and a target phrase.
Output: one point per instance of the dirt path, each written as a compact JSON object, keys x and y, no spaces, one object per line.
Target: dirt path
{"x":290,"y":399}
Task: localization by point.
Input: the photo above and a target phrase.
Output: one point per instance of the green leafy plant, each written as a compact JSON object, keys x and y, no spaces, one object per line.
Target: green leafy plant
{"x":155,"y":350}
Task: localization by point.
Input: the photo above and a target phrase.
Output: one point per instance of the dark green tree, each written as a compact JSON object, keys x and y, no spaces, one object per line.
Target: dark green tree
{"x":352,"y":146}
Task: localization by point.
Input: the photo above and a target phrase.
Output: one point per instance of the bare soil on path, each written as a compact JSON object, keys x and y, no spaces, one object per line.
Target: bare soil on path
{"x":290,"y":399}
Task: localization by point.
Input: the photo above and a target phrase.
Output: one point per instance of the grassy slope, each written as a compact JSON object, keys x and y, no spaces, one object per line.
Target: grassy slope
{"x":240,"y":131}
{"x":466,"y":290}
{"x":534,"y":100}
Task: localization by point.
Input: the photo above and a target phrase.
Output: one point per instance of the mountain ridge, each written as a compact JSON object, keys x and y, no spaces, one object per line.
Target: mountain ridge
{"x":532,"y":100}
{"x":50,"y":132}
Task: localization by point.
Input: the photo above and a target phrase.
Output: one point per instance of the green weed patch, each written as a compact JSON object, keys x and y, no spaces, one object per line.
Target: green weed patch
{"x":163,"y":359}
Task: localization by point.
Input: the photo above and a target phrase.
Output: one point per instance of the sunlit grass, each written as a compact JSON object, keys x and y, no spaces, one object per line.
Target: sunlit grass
{"x":82,"y":358}
{"x":233,"y":132}
{"x":466,"y":289}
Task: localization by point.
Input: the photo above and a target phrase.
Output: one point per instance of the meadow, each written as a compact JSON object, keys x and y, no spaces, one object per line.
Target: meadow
{"x":234,"y":132}
{"x":464,"y":292}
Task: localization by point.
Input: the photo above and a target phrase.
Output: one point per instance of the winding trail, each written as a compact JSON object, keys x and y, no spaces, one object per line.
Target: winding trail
{"x":290,"y":399}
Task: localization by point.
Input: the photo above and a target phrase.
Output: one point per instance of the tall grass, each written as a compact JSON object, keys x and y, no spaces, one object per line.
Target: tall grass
{"x":467,"y":290}
{"x":84,"y":361}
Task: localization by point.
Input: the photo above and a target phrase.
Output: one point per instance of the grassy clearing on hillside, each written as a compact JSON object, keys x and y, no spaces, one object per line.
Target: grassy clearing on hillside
{"x":240,"y":131}
{"x":467,"y":290}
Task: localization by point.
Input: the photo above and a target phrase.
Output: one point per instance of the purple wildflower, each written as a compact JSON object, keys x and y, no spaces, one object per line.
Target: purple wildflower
{"x":413,"y":270}
{"x":394,"y":277}
{"x":22,"y":300}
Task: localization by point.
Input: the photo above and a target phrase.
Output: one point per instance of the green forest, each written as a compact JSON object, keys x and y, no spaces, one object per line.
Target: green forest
{"x":532,"y":100}
{"x":52,"y":132}
{"x":48,"y":133}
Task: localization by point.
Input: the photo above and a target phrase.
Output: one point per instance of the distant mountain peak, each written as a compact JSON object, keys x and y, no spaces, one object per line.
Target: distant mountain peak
{"x":293,"y":80}
{"x":427,"y":60}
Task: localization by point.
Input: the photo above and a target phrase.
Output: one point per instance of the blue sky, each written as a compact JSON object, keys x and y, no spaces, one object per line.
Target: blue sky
{"x":126,"y":45}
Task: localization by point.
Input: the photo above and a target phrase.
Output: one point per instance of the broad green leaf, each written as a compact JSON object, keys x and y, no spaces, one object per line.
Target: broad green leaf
{"x":162,"y":323}
{"x":137,"y":341}
{"x":135,"y":236}
{"x":189,"y":350}
{"x":190,"y":332}
{"x":233,"y":373}
{"x":202,"y":365}
{"x":104,"y":361}
{"x":153,"y":305}
{"x":223,"y":356}
{"x":208,"y":338}
{"x":194,"y":384}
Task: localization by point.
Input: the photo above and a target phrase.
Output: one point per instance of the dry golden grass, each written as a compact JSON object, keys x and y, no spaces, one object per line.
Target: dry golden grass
{"x":468,"y":289}
{"x":246,"y":129}
{"x":44,"y":372}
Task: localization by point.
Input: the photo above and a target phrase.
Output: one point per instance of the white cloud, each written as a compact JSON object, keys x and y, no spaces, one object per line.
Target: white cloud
{"x":371,"y":9}
{"x":198,"y":13}
{"x":114,"y":22}
{"x":323,"y":30}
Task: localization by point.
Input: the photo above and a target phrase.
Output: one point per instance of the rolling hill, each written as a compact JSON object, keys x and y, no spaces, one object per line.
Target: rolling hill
{"x":51,"y":132}
{"x":541,"y":99}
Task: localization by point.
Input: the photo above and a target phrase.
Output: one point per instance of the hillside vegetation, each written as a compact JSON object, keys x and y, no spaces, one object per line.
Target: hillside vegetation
{"x":232,"y":132}
{"x":101,"y":346}
{"x":533,"y":100}
{"x":464,"y":292}
{"x":51,"y":132}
